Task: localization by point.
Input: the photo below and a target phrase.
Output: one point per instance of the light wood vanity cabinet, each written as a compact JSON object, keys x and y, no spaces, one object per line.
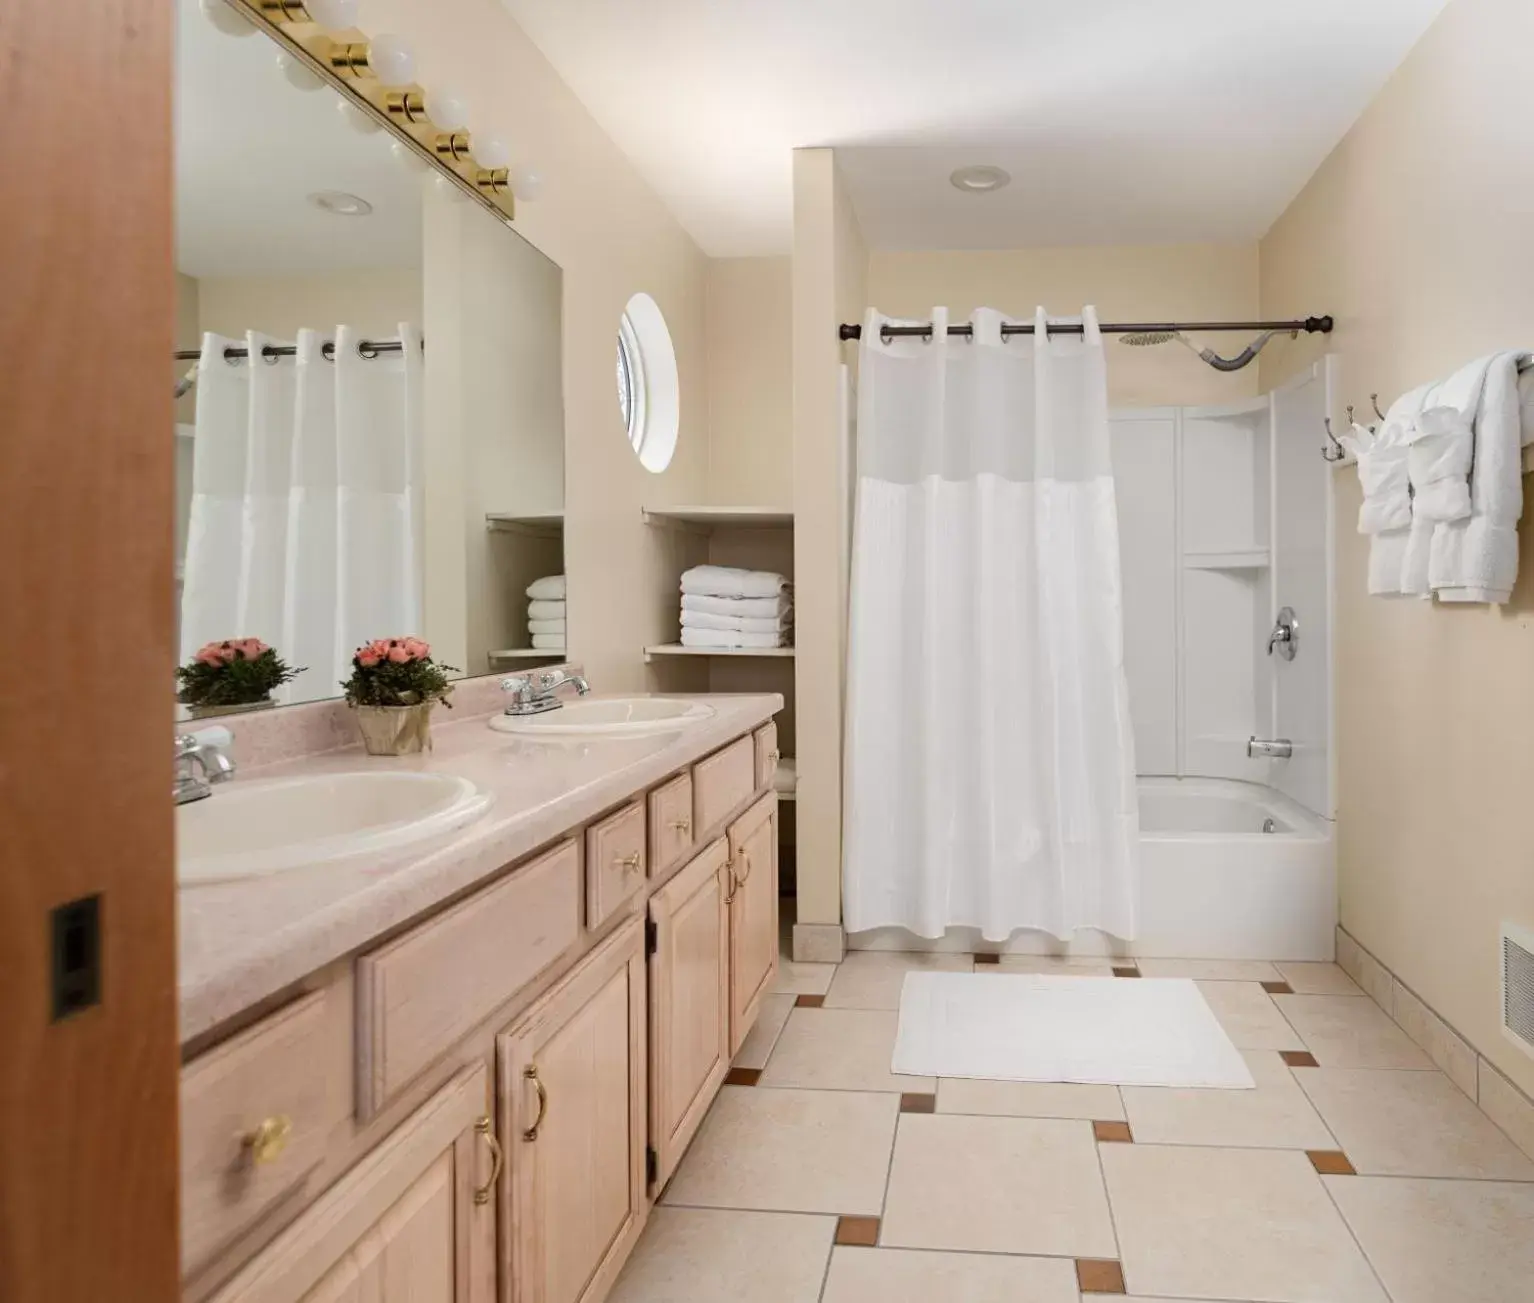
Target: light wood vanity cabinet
{"x":604,"y":1044}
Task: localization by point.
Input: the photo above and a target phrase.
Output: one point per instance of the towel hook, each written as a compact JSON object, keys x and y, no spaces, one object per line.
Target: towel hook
{"x":1334,"y":451}
{"x":1375,"y":399}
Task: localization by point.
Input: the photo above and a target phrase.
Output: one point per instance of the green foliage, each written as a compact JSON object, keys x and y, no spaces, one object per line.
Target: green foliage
{"x":238,"y":682}
{"x":381,"y":679}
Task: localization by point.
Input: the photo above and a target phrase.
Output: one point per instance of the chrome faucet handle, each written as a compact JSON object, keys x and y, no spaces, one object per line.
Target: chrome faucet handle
{"x":517,"y":683}
{"x":549,"y":680}
{"x":207,"y":752}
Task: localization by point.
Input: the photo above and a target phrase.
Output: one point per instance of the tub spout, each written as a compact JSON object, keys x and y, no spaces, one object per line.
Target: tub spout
{"x":1269,"y":748}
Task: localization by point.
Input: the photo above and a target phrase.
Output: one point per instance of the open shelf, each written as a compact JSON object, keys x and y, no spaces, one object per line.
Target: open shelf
{"x":1235,"y":558}
{"x":707,"y":518}
{"x":542,"y":523}
{"x":676,"y":649}
{"x":528,"y":654}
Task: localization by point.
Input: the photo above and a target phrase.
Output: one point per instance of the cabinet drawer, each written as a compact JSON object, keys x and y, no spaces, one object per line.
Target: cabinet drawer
{"x":615,"y":862}
{"x":424,"y":991}
{"x":670,"y":823}
{"x":766,"y":755}
{"x":721,"y":784}
{"x":253,"y":1125}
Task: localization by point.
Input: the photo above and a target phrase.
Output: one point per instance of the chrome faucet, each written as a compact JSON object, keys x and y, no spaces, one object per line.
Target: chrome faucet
{"x":533,"y":694}
{"x":202,"y":759}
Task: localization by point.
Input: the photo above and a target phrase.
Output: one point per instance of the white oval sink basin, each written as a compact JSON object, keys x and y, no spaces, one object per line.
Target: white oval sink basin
{"x":247,"y":829}
{"x":607,"y":717}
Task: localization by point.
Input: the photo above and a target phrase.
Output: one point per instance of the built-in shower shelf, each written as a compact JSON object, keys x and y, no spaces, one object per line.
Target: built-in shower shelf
{"x":1236,"y":558}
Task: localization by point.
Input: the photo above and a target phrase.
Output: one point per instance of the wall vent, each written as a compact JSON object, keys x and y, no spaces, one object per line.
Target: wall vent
{"x":1518,"y":986}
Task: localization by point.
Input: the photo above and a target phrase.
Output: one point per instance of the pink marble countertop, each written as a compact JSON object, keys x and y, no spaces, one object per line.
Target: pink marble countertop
{"x":241,"y":942}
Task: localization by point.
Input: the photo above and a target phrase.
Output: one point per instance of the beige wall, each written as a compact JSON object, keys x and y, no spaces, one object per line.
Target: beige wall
{"x":1188,"y":282}
{"x":1415,"y":233}
{"x":750,"y":382}
{"x":611,"y":236}
{"x":374,"y":301}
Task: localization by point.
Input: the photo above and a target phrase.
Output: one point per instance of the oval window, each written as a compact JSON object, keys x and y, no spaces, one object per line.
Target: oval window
{"x":648,"y":387}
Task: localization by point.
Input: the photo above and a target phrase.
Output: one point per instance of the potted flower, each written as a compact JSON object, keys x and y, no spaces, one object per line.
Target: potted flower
{"x":233,"y":675}
{"x":394,"y":685}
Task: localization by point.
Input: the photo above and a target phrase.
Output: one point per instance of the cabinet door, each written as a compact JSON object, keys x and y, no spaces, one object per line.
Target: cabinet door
{"x":572,"y":1103}
{"x":753,"y":914}
{"x":689,"y":1002}
{"x":413,"y":1222}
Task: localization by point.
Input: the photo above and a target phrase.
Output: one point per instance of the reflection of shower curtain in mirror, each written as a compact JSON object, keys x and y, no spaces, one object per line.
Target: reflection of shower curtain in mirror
{"x":305,"y":527}
{"x":989,"y":756}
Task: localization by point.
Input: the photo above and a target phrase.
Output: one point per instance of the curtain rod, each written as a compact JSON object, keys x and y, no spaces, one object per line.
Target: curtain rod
{"x":365,"y":347}
{"x":1310,"y":325}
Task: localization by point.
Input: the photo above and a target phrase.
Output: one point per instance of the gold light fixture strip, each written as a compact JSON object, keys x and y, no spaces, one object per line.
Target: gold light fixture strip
{"x":453,"y":146}
{"x":285,"y":11}
{"x":406,"y":106}
{"x":350,"y":58}
{"x":494,"y":180}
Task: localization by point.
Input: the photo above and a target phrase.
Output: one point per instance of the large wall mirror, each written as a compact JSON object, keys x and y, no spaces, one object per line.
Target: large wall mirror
{"x":369,"y":423}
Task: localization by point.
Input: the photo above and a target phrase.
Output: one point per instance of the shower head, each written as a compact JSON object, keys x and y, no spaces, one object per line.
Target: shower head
{"x":1150,"y":338}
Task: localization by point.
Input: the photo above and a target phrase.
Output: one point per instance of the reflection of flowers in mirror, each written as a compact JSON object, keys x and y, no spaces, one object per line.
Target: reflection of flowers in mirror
{"x":232,"y":672}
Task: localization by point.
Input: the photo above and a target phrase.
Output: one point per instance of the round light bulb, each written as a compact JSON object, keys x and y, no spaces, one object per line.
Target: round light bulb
{"x":392,"y":59}
{"x":447,"y":109}
{"x":526,"y":182}
{"x":356,"y":119}
{"x":333,"y":15}
{"x":408,"y":158}
{"x":229,"y":20}
{"x":492,"y":151}
{"x":297,"y":74}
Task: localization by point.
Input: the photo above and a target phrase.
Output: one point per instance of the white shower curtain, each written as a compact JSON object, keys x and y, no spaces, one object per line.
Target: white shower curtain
{"x":989,"y":757}
{"x":305,"y":525}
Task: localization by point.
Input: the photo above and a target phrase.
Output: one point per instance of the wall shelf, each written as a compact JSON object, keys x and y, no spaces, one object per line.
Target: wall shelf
{"x":527,"y":654}
{"x":708,"y":518}
{"x":1235,"y":558}
{"x":542,"y":523}
{"x":676,"y":649}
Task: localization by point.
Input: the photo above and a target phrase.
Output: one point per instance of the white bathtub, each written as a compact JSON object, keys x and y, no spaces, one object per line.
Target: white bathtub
{"x":1213,"y":883}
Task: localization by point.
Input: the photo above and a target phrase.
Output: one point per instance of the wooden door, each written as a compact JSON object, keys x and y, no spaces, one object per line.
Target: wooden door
{"x":572,"y":1105}
{"x":753,"y":914}
{"x":88,"y":1063}
{"x":689,"y":1002}
{"x":413,"y":1222}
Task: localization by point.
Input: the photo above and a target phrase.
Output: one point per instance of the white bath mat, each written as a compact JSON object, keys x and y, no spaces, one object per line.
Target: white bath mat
{"x":1093,"y":1030}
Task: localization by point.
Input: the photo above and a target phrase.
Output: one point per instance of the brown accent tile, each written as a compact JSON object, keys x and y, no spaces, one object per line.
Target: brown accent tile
{"x":860,"y":1232}
{"x":1330,"y":1162}
{"x":809,"y":1001}
{"x":1126,"y":972}
{"x":988,"y":959}
{"x":1099,"y":1276}
{"x":918,"y":1103}
{"x":1299,"y":1058}
{"x":1113,"y":1132}
{"x":742,"y":1076}
{"x":1277,"y":988}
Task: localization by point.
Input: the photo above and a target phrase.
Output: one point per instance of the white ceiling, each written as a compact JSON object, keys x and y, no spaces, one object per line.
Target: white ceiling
{"x":250,"y":148}
{"x":1121,"y":121}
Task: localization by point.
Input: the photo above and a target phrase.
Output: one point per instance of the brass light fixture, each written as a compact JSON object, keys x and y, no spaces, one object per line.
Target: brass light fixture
{"x":350,"y":58}
{"x":285,"y":11}
{"x":406,"y":106}
{"x":493,"y":179}
{"x":452,"y":146}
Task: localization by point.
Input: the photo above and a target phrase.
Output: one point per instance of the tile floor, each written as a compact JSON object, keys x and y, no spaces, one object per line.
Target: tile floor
{"x":1355,"y":1172}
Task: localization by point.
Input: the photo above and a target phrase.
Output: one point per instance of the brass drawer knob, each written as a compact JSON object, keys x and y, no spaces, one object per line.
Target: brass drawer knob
{"x":266,"y":1143}
{"x":682,"y":825}
{"x":631,"y":863}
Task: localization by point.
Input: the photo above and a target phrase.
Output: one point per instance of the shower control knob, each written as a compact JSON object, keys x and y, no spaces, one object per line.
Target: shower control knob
{"x":1285,"y":638}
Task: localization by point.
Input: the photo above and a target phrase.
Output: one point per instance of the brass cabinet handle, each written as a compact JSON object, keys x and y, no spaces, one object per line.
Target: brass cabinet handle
{"x":729,"y":876}
{"x":682,"y":825}
{"x":741,"y":880}
{"x":269,"y":1139}
{"x":630,"y":863}
{"x":773,"y":757}
{"x":530,"y":1073}
{"x":485,"y":1128}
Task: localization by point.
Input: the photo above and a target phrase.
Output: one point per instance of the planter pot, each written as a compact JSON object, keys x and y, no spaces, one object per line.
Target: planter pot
{"x":395,"y":730}
{"x":209,"y":712}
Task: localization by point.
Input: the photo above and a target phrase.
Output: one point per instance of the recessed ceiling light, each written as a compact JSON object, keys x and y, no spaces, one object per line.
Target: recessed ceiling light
{"x":979,"y":179}
{"x":340,"y":203}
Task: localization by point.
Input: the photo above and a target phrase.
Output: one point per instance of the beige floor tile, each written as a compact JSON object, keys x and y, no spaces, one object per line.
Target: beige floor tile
{"x":1276,"y":1115}
{"x":1233,"y":1224}
{"x":1411,"y":1124}
{"x":1443,"y":1241}
{"x":1249,"y":1016}
{"x":803,"y":979}
{"x":871,"y":979}
{"x":757,"y":1048}
{"x":1029,"y":1099}
{"x":791,"y":1151}
{"x":702,"y":1255}
{"x":1317,"y":979}
{"x":1211,"y":970}
{"x":1343,"y":1031}
{"x":964,"y":1183}
{"x":1060,"y":965}
{"x":839,"y":1049}
{"x":914,"y":1276}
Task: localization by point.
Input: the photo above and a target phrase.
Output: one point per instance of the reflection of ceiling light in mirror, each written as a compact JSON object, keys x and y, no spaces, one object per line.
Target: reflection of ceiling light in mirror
{"x":979,"y":180}
{"x":492,"y":151}
{"x":447,"y":109}
{"x":408,"y":158}
{"x":333,"y":15}
{"x":296,"y":73}
{"x":392,"y":59}
{"x":360,"y":122}
{"x":526,"y":183}
{"x":340,"y":203}
{"x":226,"y":18}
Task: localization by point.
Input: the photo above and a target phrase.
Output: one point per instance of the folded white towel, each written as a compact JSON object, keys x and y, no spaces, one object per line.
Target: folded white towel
{"x":1416,"y":559}
{"x":545,"y":610}
{"x":727,"y":638}
{"x":754,"y":608}
{"x":727,"y":581}
{"x":1442,"y":443}
{"x":1387,"y":563}
{"x":549,"y":587}
{"x":737,"y":623}
{"x":786,"y":779}
{"x":1476,"y":560}
{"x":549,"y":642}
{"x":546,"y":626}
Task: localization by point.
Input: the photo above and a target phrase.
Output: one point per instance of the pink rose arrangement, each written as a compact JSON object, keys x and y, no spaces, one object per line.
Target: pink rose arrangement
{"x":234,"y":672}
{"x":397,"y":672}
